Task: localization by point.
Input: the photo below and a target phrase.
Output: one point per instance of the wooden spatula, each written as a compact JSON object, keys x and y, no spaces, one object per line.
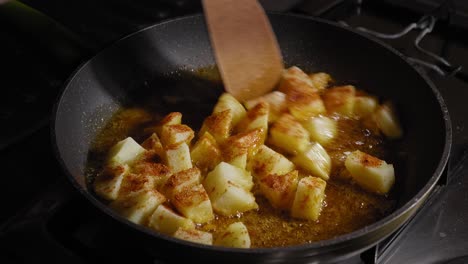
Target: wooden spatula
{"x":246,"y":50}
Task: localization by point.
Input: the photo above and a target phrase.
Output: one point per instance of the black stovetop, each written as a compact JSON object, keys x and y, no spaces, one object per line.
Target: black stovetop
{"x":45,"y":220}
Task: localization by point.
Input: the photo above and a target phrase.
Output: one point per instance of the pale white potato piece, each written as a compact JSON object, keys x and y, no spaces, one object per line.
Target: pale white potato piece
{"x":315,"y":160}
{"x":235,"y":235}
{"x":125,"y":152}
{"x":309,"y":198}
{"x":276,"y":101}
{"x":194,"y":235}
{"x":365,"y":105}
{"x":370,"y":172}
{"x":178,"y":158}
{"x":387,"y":121}
{"x":108,"y":183}
{"x":229,"y":189}
{"x":227,"y":102}
{"x":321,"y":129}
{"x":267,"y":161}
{"x":225,"y":172}
{"x":138,"y":206}
{"x":239,"y":161}
{"x":168,"y":222}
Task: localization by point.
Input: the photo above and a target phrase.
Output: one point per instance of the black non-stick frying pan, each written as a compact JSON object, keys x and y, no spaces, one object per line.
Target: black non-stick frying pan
{"x":158,"y":55}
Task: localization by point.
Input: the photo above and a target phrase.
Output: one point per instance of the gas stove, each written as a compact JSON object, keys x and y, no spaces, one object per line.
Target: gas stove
{"x":45,"y":220}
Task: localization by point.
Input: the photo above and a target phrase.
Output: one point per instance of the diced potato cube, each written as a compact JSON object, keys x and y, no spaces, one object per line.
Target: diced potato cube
{"x":181,"y":180}
{"x":157,"y":173}
{"x":256,"y":118}
{"x":320,"y":80}
{"x":340,"y":100}
{"x":289,"y":135}
{"x":195,"y":236}
{"x":108,"y":183}
{"x":365,"y":105}
{"x":235,"y":235}
{"x":227,"y":102}
{"x":173,"y":118}
{"x":276,"y":101}
{"x":228,"y":188}
{"x":279,"y":189}
{"x":322,"y":129}
{"x":173,"y":135}
{"x":138,"y":206}
{"x":242,"y":143}
{"x":304,"y":104}
{"x":168,"y":222}
{"x":135,"y":183}
{"x":178,"y":158}
{"x":267,"y":161}
{"x":370,"y":172}
{"x":233,"y":200}
{"x":295,"y":78}
{"x":309,"y":197}
{"x":315,"y":160}
{"x":239,"y":161}
{"x":217,"y":179}
{"x":206,"y":153}
{"x":219,"y":125}
{"x":125,"y":152}
{"x":153,"y":143}
{"x":387,"y":121}
{"x":193,"y":202}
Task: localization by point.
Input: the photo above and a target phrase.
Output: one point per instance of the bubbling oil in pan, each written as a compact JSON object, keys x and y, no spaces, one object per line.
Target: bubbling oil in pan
{"x":347,"y":207}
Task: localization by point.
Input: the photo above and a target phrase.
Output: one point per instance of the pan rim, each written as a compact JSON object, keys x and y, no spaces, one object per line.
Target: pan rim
{"x":333,"y":243}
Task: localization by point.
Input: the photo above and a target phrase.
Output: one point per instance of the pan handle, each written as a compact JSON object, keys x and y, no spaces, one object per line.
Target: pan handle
{"x":60,"y":43}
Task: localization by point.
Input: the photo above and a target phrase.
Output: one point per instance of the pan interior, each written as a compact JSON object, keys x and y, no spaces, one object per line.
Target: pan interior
{"x":168,"y":52}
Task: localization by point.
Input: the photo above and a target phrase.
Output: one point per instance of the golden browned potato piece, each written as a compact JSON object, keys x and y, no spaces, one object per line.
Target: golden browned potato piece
{"x":173,"y":135}
{"x":289,"y":135}
{"x":340,"y":100}
{"x":181,"y":180}
{"x":309,"y":198}
{"x":304,"y":104}
{"x":242,"y":143}
{"x":138,"y":206}
{"x":320,"y":80}
{"x":295,"y":78}
{"x":206,"y":153}
{"x":279,"y":189}
{"x":193,"y":202}
{"x":256,"y":118}
{"x":219,"y":125}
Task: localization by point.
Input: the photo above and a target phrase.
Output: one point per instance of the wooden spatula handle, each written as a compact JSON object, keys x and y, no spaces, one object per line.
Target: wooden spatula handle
{"x":246,"y":50}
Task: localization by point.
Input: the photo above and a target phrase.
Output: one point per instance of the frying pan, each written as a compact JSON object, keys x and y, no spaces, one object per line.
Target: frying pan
{"x":152,"y":63}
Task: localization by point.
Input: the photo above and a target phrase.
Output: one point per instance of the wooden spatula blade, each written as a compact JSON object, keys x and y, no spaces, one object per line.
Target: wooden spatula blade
{"x":245,"y":47}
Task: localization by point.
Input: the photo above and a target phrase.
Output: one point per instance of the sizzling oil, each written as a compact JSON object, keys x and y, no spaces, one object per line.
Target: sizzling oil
{"x":346,"y":208}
